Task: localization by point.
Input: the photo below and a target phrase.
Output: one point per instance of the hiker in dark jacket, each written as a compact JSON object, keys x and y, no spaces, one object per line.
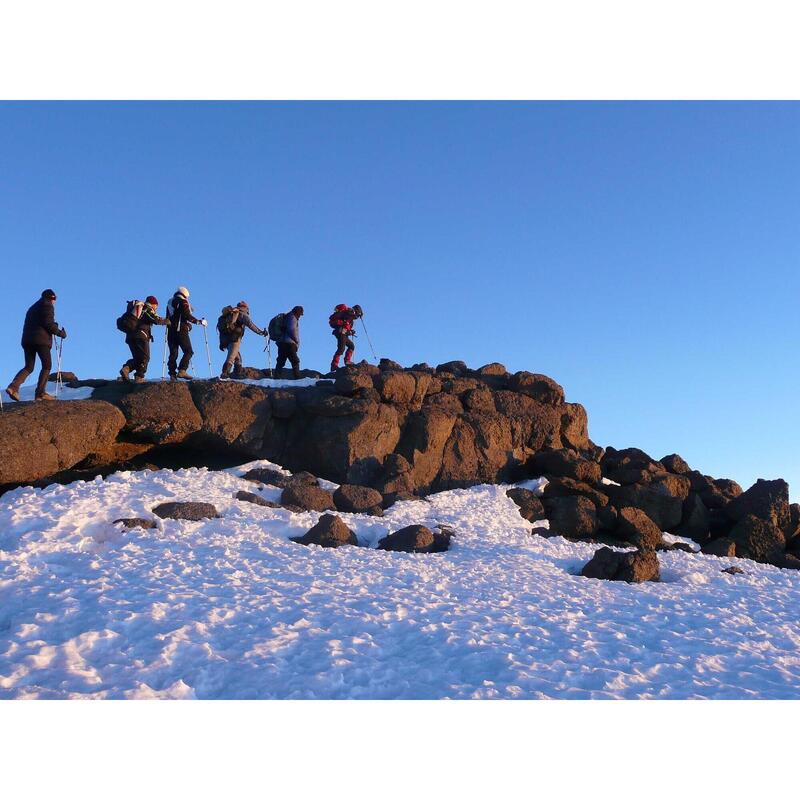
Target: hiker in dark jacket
{"x":231,"y":327}
{"x":342,"y":321}
{"x":289,"y":342}
{"x":139,"y":340}
{"x":179,"y":314}
{"x":37,"y":340}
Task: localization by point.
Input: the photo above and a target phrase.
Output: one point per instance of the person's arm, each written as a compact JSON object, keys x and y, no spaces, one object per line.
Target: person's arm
{"x":247,"y":321}
{"x":153,"y":318}
{"x":293,"y":329}
{"x":49,"y":321}
{"x":187,"y":313}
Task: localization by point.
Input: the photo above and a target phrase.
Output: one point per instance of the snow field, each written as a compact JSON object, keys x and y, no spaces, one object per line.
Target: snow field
{"x":230,"y":608}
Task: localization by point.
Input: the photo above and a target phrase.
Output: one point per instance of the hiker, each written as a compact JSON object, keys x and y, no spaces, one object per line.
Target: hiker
{"x":179,"y":314}
{"x":289,"y":342}
{"x":342,"y":321}
{"x":231,"y":325}
{"x":37,"y":340}
{"x":136,"y":323}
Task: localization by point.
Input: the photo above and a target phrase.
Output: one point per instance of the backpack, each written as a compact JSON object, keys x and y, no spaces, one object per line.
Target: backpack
{"x":129,"y":321}
{"x":226,"y":323}
{"x":337,"y":320}
{"x":276,"y":327}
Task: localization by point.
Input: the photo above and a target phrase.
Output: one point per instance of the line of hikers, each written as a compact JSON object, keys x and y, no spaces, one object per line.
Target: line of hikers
{"x":140,"y":315}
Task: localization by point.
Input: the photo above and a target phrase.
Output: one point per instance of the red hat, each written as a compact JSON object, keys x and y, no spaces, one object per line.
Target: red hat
{"x":153,"y":301}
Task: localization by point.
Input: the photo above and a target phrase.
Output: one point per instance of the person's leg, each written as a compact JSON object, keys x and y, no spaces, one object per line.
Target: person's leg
{"x":172,"y":362}
{"x":188,"y":352}
{"x":351,"y":347}
{"x":47,"y":362}
{"x":231,"y":357}
{"x":340,"y":347}
{"x":22,"y":375}
{"x":280,"y":362}
{"x":142,"y":357}
{"x":294,"y":360}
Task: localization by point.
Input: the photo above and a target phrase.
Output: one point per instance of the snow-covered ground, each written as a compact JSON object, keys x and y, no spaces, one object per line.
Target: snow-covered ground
{"x":230,"y":608}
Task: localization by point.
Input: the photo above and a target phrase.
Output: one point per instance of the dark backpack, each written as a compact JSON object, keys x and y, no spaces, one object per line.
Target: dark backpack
{"x":276,"y":327}
{"x":128,"y":322}
{"x":226,"y":324}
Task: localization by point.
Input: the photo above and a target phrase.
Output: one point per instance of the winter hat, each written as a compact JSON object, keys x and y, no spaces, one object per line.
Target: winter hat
{"x":184,"y":291}
{"x":298,"y":311}
{"x":243,"y":304}
{"x":49,"y":294}
{"x":153,"y":301}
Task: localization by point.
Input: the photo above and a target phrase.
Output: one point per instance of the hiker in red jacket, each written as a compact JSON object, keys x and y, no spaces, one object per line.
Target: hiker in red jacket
{"x":342,"y":321}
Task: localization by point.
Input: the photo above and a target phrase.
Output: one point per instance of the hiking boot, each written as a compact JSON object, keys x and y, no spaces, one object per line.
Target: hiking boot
{"x":139,"y":379}
{"x":225,"y":377}
{"x":13,"y":394}
{"x":184,"y":374}
{"x":125,"y":372}
{"x":44,"y":396}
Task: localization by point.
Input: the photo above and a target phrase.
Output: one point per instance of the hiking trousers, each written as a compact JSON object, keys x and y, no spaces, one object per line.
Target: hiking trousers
{"x":233,"y":359}
{"x":287,"y":351}
{"x":140,"y":355}
{"x":343,"y":343}
{"x":31,"y":351}
{"x":179,"y":340}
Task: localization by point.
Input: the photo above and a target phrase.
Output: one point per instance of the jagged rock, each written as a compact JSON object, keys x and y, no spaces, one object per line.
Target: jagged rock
{"x":423,"y":441}
{"x":575,"y":426}
{"x":66,"y":377}
{"x":571,"y":517}
{"x":272,"y":477}
{"x":539,"y":387}
{"x":758,"y":540}
{"x":675,"y":464}
{"x":767,"y":500}
{"x":636,"y":527}
{"x":457,"y":368}
{"x":564,"y":463}
{"x":38,"y":440}
{"x":255,"y":499}
{"x":388,"y":364}
{"x":391,"y":498}
{"x":733,"y":571}
{"x":695,"y":520}
{"x":194,"y":512}
{"x":479,"y":400}
{"x":136,"y":522}
{"x":358,"y":500}
{"x":232,"y":414}
{"x":495,"y":368}
{"x":310,"y":498}
{"x":160,"y":413}
{"x":607,"y":519}
{"x":395,"y":387}
{"x":447,"y":403}
{"x":722,"y":547}
{"x":416,"y":539}
{"x":666,"y":511}
{"x":633,"y":567}
{"x":567,"y":487}
{"x":530,"y":506}
{"x":330,"y":531}
{"x":351,"y":382}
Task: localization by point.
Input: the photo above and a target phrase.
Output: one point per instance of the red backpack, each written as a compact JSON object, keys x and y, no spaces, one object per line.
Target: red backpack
{"x":338,"y":320}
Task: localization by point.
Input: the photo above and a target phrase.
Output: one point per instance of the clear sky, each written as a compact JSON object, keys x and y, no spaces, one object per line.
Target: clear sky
{"x":645,"y":255}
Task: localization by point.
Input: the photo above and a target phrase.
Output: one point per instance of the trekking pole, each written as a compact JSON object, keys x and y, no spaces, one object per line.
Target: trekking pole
{"x":164,"y":360}
{"x":268,"y":351}
{"x":368,"y":339}
{"x":208,"y":352}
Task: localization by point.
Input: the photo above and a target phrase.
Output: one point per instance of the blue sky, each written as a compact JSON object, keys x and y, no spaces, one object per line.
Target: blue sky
{"x":643,"y":254}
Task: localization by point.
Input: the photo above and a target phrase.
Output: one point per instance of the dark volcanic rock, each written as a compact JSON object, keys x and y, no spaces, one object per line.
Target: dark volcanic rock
{"x":530,"y":506}
{"x":635,"y":567}
{"x":675,"y":464}
{"x":38,"y":440}
{"x":330,"y":531}
{"x":539,"y":387}
{"x":255,"y":499}
{"x":136,"y":522}
{"x":767,"y":500}
{"x":758,"y":539}
{"x":358,"y":500}
{"x":733,"y":571}
{"x":161,"y":413}
{"x":695,"y":522}
{"x":233,"y":414}
{"x":571,"y":517}
{"x":564,"y":463}
{"x":636,"y":527}
{"x":416,"y":539}
{"x":722,"y":547}
{"x":193,"y":512}
{"x":664,"y":509}
{"x":567,"y":487}
{"x":310,"y":498}
{"x":396,"y":497}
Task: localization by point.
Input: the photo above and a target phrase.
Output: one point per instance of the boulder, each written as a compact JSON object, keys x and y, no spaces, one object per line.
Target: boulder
{"x":395,"y":387}
{"x":423,"y":441}
{"x":479,"y":400}
{"x":695,"y":520}
{"x":664,"y":509}
{"x":358,"y":500}
{"x":675,"y":464}
{"x":39,"y":440}
{"x":733,"y":571}
{"x":530,"y":506}
{"x":758,"y":539}
{"x":330,"y":531}
{"x":388,"y":364}
{"x":539,"y":387}
{"x":634,"y":526}
{"x":160,"y":413}
{"x":233,"y":414}
{"x":571,"y":517}
{"x":136,"y":522}
{"x":310,"y":498}
{"x":351,"y":382}
{"x":767,"y":500}
{"x":255,"y":499}
{"x":272,"y":477}
{"x":416,"y":539}
{"x":194,"y":512}
{"x":722,"y":547}
{"x":574,"y":426}
{"x":607,"y":519}
{"x":633,"y":567}
{"x":564,"y":463}
{"x":494,"y":369}
{"x":567,"y":487}
{"x":457,"y":368}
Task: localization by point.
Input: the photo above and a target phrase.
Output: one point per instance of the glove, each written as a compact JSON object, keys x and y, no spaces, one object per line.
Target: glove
{"x":168,"y":323}
{"x":265,"y":334}
{"x":204,"y":322}
{"x":63,"y":333}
